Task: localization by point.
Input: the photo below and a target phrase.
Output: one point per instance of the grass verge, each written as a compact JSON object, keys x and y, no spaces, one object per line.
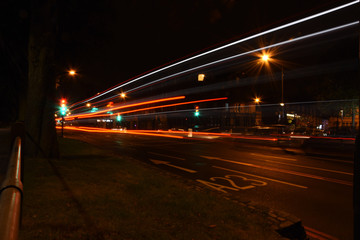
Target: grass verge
{"x":91,"y":194}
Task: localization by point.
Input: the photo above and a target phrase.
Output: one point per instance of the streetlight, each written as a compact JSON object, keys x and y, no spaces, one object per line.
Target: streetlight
{"x":265,"y":57}
{"x":72,"y":72}
{"x":201,"y":77}
{"x":123,"y":95}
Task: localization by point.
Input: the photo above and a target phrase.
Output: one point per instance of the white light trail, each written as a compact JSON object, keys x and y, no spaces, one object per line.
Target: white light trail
{"x":247,"y":53}
{"x":228,"y":45}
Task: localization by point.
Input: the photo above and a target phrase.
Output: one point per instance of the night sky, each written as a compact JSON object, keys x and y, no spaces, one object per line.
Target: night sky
{"x":112,"y":41}
{"x":108,"y":42}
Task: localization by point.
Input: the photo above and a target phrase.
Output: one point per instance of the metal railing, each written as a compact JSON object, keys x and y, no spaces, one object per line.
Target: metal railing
{"x":11,"y":195}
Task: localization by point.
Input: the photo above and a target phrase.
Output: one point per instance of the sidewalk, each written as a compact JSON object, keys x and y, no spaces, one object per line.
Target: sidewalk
{"x":92,"y":194}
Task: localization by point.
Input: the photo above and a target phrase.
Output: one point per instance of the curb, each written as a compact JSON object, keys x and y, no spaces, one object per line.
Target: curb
{"x":285,"y":224}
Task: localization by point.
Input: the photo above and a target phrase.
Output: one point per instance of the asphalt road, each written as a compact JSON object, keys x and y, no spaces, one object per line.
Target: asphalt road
{"x":318,"y":190}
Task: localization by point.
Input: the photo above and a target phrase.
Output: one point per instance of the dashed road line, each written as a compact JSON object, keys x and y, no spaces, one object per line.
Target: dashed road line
{"x":283,"y":171}
{"x":333,"y":160}
{"x":169,"y":156}
{"x":283,"y":158}
{"x":315,"y":168}
{"x":157,"y":162}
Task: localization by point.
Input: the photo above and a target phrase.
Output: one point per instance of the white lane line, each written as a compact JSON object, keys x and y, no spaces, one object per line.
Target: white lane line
{"x":333,"y":160}
{"x":321,"y":169}
{"x":263,"y":155}
{"x":333,"y":180}
{"x":169,"y":156}
{"x":270,"y":179}
{"x":157,"y":162}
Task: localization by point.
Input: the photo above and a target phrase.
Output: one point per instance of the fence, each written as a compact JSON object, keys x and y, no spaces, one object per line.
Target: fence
{"x":11,"y":195}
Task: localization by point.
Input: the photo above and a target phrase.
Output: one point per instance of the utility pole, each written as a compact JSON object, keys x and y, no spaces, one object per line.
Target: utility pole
{"x":356,"y":188}
{"x":62,"y":126}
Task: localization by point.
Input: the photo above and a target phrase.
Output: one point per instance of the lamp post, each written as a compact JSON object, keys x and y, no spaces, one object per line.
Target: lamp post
{"x":63,"y":106}
{"x":266,"y":58}
{"x":257,"y":106}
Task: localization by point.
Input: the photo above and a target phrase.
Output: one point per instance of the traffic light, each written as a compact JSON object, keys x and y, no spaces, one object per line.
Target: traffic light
{"x":94,"y":109}
{"x":196,"y":113}
{"x":63,"y":107}
{"x":118,"y":118}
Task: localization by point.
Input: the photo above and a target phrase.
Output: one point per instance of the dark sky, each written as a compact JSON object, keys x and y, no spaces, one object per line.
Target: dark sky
{"x":110,"y":41}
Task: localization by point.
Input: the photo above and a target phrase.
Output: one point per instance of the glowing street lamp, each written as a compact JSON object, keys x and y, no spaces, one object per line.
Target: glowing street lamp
{"x":257,"y":100}
{"x":201,"y":77}
{"x":72,"y":72}
{"x":265,"y":58}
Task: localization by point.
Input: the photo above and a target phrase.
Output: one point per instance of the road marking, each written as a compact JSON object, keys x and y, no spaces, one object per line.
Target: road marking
{"x":318,"y":235}
{"x":322,"y":169}
{"x":219,"y":187}
{"x":163,"y":155}
{"x":157,"y":162}
{"x":333,"y":160}
{"x":283,"y":171}
{"x":263,"y":155}
{"x":270,"y":179}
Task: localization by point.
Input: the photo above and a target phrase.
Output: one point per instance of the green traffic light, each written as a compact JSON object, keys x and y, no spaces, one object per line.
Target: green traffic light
{"x":63,"y":110}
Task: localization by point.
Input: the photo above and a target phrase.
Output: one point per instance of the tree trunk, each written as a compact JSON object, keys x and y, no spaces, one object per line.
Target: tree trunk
{"x":39,"y":119}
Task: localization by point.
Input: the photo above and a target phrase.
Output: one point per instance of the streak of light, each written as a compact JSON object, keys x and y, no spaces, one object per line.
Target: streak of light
{"x":246,"y":53}
{"x":228,"y":45}
{"x":334,"y":138}
{"x":94,"y":115}
{"x":255,"y":138}
{"x":130,"y":105}
{"x":186,"y":132}
{"x":316,"y":137}
{"x":175,"y":104}
{"x":99,"y":130}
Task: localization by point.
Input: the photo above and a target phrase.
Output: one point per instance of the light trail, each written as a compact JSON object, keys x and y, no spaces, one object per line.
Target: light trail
{"x":144,"y":109}
{"x":160,"y":133}
{"x":100,"y":130}
{"x":226,"y":46}
{"x":187,"y":132}
{"x":126,"y":106}
{"x":246,"y":53}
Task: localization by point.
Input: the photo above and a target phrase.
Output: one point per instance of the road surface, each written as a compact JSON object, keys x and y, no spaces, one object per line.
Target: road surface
{"x":318,"y":190}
